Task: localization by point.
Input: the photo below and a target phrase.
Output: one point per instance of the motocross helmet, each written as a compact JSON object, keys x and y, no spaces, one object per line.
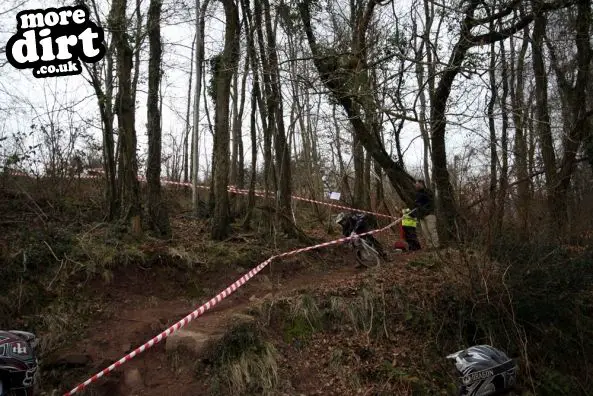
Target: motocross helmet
{"x":484,"y":371}
{"x":18,"y":363}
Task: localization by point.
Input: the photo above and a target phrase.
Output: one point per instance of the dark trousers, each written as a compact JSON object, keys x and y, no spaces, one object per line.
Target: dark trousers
{"x":411,"y":238}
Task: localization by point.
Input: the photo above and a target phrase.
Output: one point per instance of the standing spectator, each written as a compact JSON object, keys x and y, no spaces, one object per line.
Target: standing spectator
{"x":409,"y":230}
{"x":425,"y":214}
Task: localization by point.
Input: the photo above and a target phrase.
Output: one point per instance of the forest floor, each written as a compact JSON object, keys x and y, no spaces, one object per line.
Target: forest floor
{"x":308,"y":324}
{"x":139,"y":302}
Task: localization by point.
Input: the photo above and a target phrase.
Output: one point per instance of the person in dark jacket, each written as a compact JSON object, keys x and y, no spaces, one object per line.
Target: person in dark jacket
{"x":425,"y":214}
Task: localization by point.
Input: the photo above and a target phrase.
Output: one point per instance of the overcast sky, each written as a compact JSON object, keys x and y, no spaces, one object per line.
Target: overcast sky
{"x":25,"y":99}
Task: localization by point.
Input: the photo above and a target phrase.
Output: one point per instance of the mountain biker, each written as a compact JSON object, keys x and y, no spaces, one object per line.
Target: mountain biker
{"x":484,"y":371}
{"x":18,"y":363}
{"x":358,"y":224}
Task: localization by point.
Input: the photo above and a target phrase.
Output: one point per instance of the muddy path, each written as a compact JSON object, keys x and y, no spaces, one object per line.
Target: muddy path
{"x":142,"y":304}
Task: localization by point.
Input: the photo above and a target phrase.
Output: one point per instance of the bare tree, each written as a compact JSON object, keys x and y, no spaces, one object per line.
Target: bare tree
{"x":517,"y":88}
{"x":358,"y":162}
{"x":493,"y":137}
{"x":267,"y":110}
{"x":125,"y":109}
{"x":237,"y":176}
{"x":504,"y":161}
{"x":224,"y":66}
{"x":335,"y":72}
{"x":255,"y":101}
{"x":574,"y":95}
{"x":282,"y":149}
{"x":200,"y":22}
{"x":446,"y":205}
{"x":188,"y":125}
{"x":158,"y":219}
{"x":102,"y":81}
{"x":542,"y":115}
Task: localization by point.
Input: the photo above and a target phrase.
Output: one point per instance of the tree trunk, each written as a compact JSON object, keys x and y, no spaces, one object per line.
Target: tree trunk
{"x":493,"y":151}
{"x":518,"y":105}
{"x":542,"y":116}
{"x":531,"y":140}
{"x":589,"y":148}
{"x":200,"y":16}
{"x":253,"y":130}
{"x":138,"y":40}
{"x":281,"y":147}
{"x":235,"y":127}
{"x":302,"y":117}
{"x":380,"y":205}
{"x":504,"y":142}
{"x":358,"y":161}
{"x":311,"y":132}
{"x":255,"y":101}
{"x":105,"y":103}
{"x":225,"y":66}
{"x":158,"y":219}
{"x":128,"y":184}
{"x":580,"y":126}
{"x":238,"y":130}
{"x":210,"y":168}
{"x":343,"y":176}
{"x":368,"y":181}
{"x":446,"y":206}
{"x":186,"y":164}
{"x":429,"y":16}
{"x":238,"y":158}
{"x":267,"y":110}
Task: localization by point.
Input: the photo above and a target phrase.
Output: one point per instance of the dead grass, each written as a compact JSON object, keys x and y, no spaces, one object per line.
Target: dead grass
{"x":243,"y":362}
{"x":64,"y":320}
{"x":347,"y":335}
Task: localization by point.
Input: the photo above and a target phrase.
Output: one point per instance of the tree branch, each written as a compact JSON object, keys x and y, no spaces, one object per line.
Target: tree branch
{"x":501,"y":14}
{"x":491,"y":37}
{"x":529,"y":177}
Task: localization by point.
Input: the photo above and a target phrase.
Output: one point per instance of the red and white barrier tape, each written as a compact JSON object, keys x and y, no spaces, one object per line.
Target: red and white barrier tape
{"x":233,"y":189}
{"x":243,"y":191}
{"x":260,"y":193}
{"x":211,"y":303}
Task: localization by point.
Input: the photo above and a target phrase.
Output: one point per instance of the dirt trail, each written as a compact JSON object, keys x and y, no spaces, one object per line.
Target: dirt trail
{"x":140,"y":315}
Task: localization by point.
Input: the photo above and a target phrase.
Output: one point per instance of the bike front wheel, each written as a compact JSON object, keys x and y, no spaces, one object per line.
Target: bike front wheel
{"x":367,"y":257}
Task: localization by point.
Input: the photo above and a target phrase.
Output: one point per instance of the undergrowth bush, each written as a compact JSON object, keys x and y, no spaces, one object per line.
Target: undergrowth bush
{"x":536,"y":303}
{"x":243,"y":362}
{"x":552,"y":297}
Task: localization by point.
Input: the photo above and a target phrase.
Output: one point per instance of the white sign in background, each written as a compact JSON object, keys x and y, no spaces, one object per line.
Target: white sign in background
{"x":335,"y":196}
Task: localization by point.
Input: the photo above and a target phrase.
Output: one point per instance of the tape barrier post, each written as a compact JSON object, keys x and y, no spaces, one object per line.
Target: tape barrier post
{"x":211,"y":303}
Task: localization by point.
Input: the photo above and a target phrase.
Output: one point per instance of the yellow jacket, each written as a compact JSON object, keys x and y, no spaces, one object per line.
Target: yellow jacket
{"x":408,"y":221}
